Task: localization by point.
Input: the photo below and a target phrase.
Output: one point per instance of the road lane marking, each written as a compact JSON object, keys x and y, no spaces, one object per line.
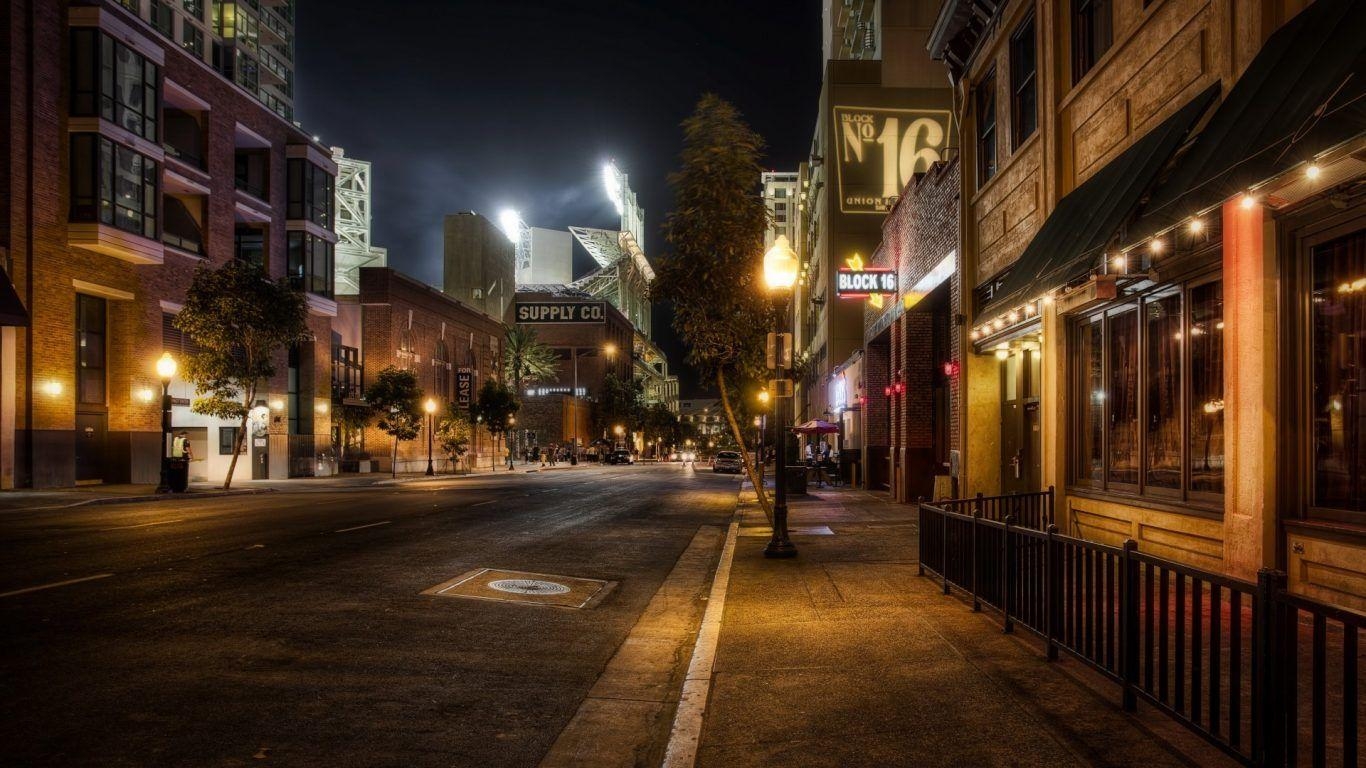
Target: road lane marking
{"x":55,"y":584}
{"x":686,"y":735}
{"x":358,"y":527}
{"x":143,"y":525}
{"x":482,"y":503}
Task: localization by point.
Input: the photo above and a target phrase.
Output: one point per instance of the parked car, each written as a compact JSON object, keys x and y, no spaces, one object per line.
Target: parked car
{"x":620,"y":456}
{"x":727,"y":461}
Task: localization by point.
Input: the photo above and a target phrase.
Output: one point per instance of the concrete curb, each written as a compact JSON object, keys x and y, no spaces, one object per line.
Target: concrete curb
{"x":154,"y":497}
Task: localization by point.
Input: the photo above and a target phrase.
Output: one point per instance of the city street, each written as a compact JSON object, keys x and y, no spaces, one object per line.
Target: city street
{"x":291,"y":626}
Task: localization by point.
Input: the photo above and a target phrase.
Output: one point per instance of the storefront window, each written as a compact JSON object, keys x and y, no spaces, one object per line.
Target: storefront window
{"x":1090,"y":340}
{"x":1123,"y":397}
{"x":1338,"y":317}
{"x":1162,"y":349}
{"x":1207,"y":388}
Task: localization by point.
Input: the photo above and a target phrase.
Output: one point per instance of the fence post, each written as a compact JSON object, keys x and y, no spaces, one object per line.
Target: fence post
{"x":1007,"y":580}
{"x":976,"y":601}
{"x":1128,"y":625}
{"x":944,"y":550}
{"x":920,"y":540}
{"x":1051,"y":596}
{"x":1050,"y":519}
{"x":1268,"y":645}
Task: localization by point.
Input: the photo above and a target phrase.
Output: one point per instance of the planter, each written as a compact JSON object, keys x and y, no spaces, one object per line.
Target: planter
{"x":796,"y":480}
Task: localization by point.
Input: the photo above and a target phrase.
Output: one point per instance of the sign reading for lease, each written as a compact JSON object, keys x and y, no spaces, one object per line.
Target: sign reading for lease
{"x":858,"y":283}
{"x":464,"y":386}
{"x":533,"y":312}
{"x":881,"y":150}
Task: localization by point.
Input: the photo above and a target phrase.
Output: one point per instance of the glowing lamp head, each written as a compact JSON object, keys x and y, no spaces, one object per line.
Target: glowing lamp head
{"x":1197,"y":226}
{"x":429,"y":406}
{"x":1002,"y":353}
{"x":1119,"y":263}
{"x":1248,"y":202}
{"x":510,"y":221}
{"x":620,"y":430}
{"x":780,"y":265}
{"x":1155,"y":246}
{"x":610,"y":349}
{"x":763,"y":396}
{"x":1312,"y":172}
{"x":166,"y":366}
{"x":512,"y":420}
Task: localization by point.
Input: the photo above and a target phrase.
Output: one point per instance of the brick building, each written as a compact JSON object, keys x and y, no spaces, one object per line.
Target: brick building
{"x":906,"y":383}
{"x":115,"y":190}
{"x":561,"y":410}
{"x":408,"y":324}
{"x":1163,"y":229}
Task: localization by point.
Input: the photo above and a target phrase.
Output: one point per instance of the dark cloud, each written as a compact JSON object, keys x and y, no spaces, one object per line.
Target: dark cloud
{"x":479,"y":105}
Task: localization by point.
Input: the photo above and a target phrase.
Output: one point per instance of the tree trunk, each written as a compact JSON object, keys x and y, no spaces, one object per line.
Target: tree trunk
{"x":241,"y":437}
{"x":756,"y":479}
{"x":393,"y":462}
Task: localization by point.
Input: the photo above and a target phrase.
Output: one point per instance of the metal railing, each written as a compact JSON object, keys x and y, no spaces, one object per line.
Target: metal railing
{"x":1032,"y":510}
{"x":1268,"y":677}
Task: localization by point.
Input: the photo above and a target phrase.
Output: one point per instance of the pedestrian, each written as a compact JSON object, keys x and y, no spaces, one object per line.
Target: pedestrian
{"x":554,"y":450}
{"x":180,"y":447}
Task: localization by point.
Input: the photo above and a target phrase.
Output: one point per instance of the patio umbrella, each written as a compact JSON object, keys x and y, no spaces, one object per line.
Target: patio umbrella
{"x":816,"y":427}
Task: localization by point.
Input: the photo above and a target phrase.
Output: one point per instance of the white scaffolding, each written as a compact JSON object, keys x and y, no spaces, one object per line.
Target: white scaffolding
{"x":353,"y":249}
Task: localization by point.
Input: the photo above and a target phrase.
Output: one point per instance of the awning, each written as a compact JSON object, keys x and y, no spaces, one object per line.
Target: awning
{"x":1085,"y":219}
{"x":12,"y":312}
{"x":1303,"y":93}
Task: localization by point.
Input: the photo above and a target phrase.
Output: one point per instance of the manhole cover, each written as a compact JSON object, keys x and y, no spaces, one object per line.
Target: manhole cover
{"x":528,"y":587}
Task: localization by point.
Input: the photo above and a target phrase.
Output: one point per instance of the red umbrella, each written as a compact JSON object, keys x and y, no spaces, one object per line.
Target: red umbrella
{"x":816,"y":427}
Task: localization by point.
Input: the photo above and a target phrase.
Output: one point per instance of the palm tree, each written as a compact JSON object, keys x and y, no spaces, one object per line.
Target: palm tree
{"x":527,"y":359}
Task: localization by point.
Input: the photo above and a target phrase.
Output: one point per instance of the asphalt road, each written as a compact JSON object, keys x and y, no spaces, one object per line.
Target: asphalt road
{"x":289,"y":629}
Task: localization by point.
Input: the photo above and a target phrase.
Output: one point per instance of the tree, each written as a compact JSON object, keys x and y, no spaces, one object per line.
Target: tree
{"x":526,"y":359}
{"x":453,"y":433}
{"x":661,"y":426}
{"x":495,"y":407}
{"x":351,"y":421}
{"x":713,"y":276}
{"x":395,"y":397}
{"x":240,"y":320}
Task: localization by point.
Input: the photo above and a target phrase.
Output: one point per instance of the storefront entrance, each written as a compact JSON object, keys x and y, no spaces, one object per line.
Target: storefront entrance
{"x":91,"y":436}
{"x":1020,"y":429}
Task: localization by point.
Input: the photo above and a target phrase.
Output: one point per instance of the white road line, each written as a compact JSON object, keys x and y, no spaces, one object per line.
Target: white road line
{"x":55,"y":584}
{"x":686,"y":735}
{"x":358,"y":527}
{"x":482,"y":503}
{"x":143,"y":525}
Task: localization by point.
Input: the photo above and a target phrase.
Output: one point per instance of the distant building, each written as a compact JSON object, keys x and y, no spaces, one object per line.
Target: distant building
{"x":706,"y":416}
{"x":353,"y":223}
{"x":780,"y":198}
{"x":479,"y":266}
{"x":550,"y":259}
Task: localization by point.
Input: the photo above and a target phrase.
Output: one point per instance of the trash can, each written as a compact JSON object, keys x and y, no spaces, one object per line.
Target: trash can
{"x":178,"y":475}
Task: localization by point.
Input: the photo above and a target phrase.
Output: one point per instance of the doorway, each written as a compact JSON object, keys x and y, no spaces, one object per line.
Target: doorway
{"x":1021,"y":378}
{"x":260,"y":455}
{"x":91,"y":437}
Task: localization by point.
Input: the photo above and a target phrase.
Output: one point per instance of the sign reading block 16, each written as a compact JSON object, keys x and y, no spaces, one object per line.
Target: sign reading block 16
{"x":864,"y":282}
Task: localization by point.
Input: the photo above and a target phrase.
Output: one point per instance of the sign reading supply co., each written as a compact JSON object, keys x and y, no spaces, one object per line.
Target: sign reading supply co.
{"x":853,"y":283}
{"x":881,"y":150}
{"x":532,"y":312}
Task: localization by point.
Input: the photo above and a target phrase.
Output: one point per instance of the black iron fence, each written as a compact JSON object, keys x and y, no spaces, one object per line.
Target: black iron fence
{"x":1029,"y":510}
{"x":1269,"y":677}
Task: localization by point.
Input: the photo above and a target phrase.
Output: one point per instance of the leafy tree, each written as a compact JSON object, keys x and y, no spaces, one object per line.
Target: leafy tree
{"x":395,"y":397}
{"x":352,"y":421}
{"x":622,"y":402}
{"x":526,"y":359}
{"x":495,"y":407}
{"x":240,"y":321}
{"x":454,"y":432}
{"x":713,"y":277}
{"x":661,"y":426}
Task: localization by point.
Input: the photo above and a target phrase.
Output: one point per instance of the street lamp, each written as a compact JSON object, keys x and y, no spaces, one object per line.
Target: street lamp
{"x":780,"y":273}
{"x":165,"y":371}
{"x":430,"y":407}
{"x":512,"y":422}
{"x":619,"y":431}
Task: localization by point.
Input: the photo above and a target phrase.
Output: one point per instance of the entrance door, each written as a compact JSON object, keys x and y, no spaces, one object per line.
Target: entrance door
{"x":91,"y":434}
{"x":260,"y":456}
{"x":1020,"y":429}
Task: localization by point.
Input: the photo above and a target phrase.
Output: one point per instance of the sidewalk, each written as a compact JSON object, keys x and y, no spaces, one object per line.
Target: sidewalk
{"x":87,"y":495}
{"x":845,"y":656}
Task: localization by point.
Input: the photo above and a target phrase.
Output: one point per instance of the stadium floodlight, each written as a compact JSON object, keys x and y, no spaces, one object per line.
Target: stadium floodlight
{"x":510,"y":221}
{"x":611,"y":179}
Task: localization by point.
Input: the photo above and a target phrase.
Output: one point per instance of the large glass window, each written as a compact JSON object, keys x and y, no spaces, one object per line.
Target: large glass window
{"x":1024,"y":86}
{"x":986,"y":128}
{"x":310,"y":193}
{"x":250,"y":244}
{"x":1091,"y":34}
{"x":112,"y":184}
{"x":90,"y":350}
{"x":1147,"y":389}
{"x":309,"y":264}
{"x":346,"y":372}
{"x":112,"y":81}
{"x":1338,"y":327}
{"x":251,"y":172}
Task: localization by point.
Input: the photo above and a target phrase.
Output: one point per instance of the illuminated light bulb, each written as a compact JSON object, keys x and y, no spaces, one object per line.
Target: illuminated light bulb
{"x":1119,"y":263}
{"x":1197,"y":226}
{"x":998,"y":324}
{"x":1359,"y":284}
{"x":1312,"y":172}
{"x":1047,"y":299}
{"x":1219,"y":325}
{"x":1248,"y":202}
{"x":1155,"y":246}
{"x":145,"y":395}
{"x":1345,"y":288}
{"x":1013,"y":317}
{"x":1030,"y":309}
{"x":52,"y":388}
{"x":975,"y":334}
{"x":1002,"y":353}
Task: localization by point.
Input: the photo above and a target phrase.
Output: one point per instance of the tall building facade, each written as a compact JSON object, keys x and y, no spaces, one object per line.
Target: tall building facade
{"x":1161,"y":265}
{"x":116,"y":190}
{"x":250,"y":43}
{"x":780,"y":198}
{"x":479,"y":266}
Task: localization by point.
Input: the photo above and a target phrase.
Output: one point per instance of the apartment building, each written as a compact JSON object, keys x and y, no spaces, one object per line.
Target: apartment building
{"x":780,"y":198}
{"x":132,"y":162}
{"x":1162,"y":265}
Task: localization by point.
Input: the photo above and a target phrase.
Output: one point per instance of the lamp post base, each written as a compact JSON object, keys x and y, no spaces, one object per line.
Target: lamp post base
{"x":780,"y":549}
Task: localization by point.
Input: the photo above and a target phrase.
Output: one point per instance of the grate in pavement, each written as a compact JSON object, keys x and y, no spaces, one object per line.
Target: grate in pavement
{"x":522,"y":587}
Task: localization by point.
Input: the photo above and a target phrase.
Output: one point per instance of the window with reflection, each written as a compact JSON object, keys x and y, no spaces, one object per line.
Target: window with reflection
{"x":1338,"y":387}
{"x":1146,"y":393}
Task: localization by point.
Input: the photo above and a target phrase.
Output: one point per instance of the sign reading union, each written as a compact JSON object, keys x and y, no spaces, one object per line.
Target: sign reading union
{"x":531,"y":312}
{"x":881,"y":150}
{"x":864,"y":282}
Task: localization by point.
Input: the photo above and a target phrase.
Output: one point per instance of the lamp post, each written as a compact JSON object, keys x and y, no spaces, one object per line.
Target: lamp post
{"x":512,"y":422}
{"x":165,"y":371}
{"x":780,"y":274}
{"x":761,"y":421}
{"x":430,"y":407}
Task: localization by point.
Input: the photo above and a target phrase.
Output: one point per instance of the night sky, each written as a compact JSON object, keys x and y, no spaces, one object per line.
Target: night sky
{"x":485,"y":105}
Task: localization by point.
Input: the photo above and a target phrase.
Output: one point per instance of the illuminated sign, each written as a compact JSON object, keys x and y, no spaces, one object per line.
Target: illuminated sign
{"x":464,"y":386}
{"x":548,"y":312}
{"x":881,"y":150}
{"x":858,"y":283}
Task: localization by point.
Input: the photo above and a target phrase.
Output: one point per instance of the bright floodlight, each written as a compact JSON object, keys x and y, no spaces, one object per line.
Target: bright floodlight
{"x":611,"y":179}
{"x":510,"y":221}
